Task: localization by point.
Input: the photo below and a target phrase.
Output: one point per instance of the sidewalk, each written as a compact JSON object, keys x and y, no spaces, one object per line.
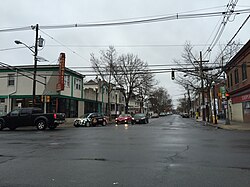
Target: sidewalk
{"x":232,"y":126}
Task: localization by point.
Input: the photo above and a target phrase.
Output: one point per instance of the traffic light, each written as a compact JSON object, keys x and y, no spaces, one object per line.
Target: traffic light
{"x":47,"y":98}
{"x":172,"y":75}
{"x":227,"y":96}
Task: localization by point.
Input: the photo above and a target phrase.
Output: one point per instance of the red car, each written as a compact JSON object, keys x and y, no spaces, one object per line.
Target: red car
{"x":124,"y":119}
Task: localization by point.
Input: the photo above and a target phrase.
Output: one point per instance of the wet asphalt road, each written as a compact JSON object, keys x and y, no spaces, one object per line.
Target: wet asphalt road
{"x":169,"y":151}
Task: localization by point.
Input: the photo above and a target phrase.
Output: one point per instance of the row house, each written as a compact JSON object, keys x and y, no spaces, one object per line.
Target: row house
{"x":238,"y":85}
{"x":97,"y":91}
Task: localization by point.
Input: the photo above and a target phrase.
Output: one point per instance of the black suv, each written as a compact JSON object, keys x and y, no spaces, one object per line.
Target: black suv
{"x":90,"y":119}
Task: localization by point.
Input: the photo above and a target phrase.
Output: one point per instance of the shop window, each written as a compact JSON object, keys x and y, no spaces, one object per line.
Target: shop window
{"x":11,"y":79}
{"x":2,"y":100}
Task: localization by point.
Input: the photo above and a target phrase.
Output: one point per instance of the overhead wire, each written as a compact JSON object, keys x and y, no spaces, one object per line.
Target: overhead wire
{"x":228,"y":12}
{"x":57,"y":41}
{"x":132,"y":22}
{"x":230,"y":41}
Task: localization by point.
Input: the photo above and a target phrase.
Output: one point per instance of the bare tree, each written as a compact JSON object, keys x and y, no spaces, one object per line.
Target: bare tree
{"x":132,"y":75}
{"x":160,"y":100}
{"x":103,"y":66}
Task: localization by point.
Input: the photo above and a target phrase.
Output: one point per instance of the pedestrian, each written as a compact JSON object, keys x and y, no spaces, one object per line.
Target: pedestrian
{"x":197,"y":115}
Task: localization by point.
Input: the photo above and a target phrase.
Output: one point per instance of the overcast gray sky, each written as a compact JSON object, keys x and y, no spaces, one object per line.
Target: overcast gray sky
{"x":156,"y":43}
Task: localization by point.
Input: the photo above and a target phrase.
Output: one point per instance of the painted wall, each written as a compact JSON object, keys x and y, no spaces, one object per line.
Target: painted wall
{"x":237,"y":112}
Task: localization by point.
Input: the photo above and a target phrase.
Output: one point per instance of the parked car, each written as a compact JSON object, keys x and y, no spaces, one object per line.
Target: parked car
{"x":124,"y":119}
{"x":162,"y":114}
{"x":155,"y":115}
{"x":31,"y":117}
{"x":90,"y":119}
{"x":140,"y":118}
{"x":185,"y":115}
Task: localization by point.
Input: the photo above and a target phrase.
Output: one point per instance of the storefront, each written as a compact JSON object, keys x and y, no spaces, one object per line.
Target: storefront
{"x":69,"y":106}
{"x":241,"y":104}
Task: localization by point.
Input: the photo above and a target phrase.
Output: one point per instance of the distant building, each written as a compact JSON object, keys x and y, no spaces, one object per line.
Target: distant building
{"x":238,"y":84}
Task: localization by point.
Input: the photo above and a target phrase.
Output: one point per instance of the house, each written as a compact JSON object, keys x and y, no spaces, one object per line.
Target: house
{"x":238,"y":84}
{"x":58,"y":89}
{"x":97,"y":91}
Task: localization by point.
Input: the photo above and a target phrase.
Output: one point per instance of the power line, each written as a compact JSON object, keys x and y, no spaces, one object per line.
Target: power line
{"x":176,"y":16}
{"x":64,"y":45}
{"x":232,"y":38}
{"x":228,"y":12}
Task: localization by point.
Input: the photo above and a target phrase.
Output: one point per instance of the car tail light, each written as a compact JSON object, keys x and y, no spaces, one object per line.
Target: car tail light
{"x":54,"y":116}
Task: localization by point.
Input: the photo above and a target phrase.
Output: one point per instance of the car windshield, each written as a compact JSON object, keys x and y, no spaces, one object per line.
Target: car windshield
{"x":84,"y":115}
{"x":139,"y":115}
{"x":124,"y":115}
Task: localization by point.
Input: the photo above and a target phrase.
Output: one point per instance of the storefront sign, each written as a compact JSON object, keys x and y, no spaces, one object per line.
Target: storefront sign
{"x":241,"y":99}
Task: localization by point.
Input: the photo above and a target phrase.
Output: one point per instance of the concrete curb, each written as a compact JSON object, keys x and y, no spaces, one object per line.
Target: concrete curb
{"x":233,"y":126}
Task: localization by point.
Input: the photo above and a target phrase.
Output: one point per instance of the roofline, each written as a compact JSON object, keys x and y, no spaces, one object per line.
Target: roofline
{"x":239,"y":54}
{"x":45,"y":66}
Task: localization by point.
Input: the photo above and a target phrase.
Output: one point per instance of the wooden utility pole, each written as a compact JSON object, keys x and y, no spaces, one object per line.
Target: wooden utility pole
{"x":203,"y":107}
{"x":35,"y":67}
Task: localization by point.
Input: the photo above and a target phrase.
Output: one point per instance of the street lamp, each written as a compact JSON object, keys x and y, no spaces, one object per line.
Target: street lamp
{"x":35,"y":62}
{"x":215,"y":118}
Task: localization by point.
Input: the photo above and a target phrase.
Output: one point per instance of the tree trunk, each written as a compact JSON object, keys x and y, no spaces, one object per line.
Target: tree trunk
{"x":126,"y":108}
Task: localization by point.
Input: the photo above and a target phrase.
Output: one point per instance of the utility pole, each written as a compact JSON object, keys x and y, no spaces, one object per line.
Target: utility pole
{"x":35,"y":67}
{"x":202,"y":89}
{"x":225,"y":101}
{"x":189,"y":101}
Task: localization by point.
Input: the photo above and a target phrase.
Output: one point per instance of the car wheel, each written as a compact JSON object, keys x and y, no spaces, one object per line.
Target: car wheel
{"x":104,"y":123}
{"x":87,"y":124}
{"x":41,"y":125}
{"x":76,"y":125}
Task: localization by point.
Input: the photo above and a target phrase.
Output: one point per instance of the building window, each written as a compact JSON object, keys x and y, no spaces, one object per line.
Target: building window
{"x":67,"y":81}
{"x":77,"y":84}
{"x":236,"y":76}
{"x":11,"y":79}
{"x":244,"y":71}
{"x":231,"y":79}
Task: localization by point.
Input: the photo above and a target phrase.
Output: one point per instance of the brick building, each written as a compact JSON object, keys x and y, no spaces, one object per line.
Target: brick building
{"x":238,"y":85}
